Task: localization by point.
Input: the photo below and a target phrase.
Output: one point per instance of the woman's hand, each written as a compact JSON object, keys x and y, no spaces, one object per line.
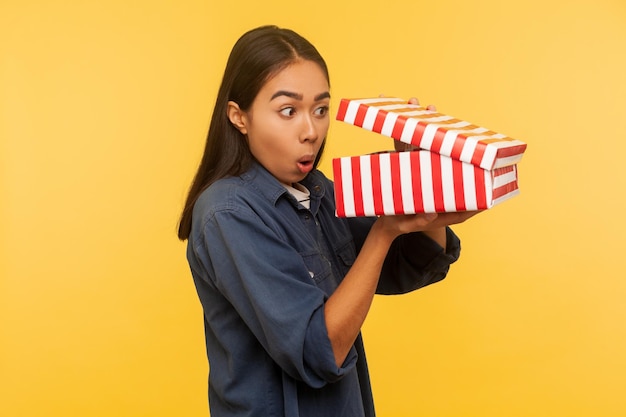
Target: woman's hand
{"x":432,"y":224}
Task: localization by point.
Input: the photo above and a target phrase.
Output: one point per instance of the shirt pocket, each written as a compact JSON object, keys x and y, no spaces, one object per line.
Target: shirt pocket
{"x":346,"y":255}
{"x":318,"y":266}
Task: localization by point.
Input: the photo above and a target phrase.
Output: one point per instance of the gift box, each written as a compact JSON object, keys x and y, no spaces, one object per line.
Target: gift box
{"x":432,"y":131}
{"x":459,"y":167}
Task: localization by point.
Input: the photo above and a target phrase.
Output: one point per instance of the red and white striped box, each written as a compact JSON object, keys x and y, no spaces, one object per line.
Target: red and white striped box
{"x":432,"y":131}
{"x":417,"y":182}
{"x":462,"y":169}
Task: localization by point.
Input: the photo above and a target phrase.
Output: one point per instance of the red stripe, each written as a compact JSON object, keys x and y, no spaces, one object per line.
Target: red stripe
{"x":506,"y":188}
{"x":504,"y":170}
{"x":458,"y":146}
{"x":438,"y":139}
{"x":360,"y":115}
{"x":396,"y":183}
{"x":343,"y":108}
{"x":416,"y":139}
{"x":398,"y":127}
{"x":357,"y":190}
{"x":376,"y":187}
{"x":435,"y":160}
{"x":339,"y":203}
{"x":380,"y":120}
{"x":512,"y":151}
{"x":459,"y":186}
{"x":481,"y":196}
{"x":416,"y":178}
{"x":478,"y":154}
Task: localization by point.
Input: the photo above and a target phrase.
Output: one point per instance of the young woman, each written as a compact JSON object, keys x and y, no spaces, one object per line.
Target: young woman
{"x":284,"y":284}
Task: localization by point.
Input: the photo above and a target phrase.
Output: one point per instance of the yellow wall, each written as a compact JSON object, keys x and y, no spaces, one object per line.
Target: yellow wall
{"x":103,"y":111}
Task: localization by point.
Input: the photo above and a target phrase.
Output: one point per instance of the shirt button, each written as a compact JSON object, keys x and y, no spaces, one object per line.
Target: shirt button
{"x":317,"y":188}
{"x":307,"y":217}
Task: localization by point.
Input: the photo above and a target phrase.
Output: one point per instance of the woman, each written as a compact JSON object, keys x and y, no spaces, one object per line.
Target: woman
{"x":284,"y":284}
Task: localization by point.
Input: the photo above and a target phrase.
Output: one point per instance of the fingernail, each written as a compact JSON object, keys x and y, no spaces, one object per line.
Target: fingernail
{"x":431,"y":216}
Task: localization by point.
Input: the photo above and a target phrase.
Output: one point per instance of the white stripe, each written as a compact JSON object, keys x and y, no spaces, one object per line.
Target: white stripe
{"x":351,"y":111}
{"x":429,"y":134}
{"x":506,"y":196}
{"x":390,"y":121}
{"x":505,"y":143}
{"x":468,"y":150}
{"x":469,"y":187}
{"x":419,"y":111}
{"x":370,"y":118}
{"x":503,"y":179}
{"x":436,"y":119}
{"x":408,"y":131}
{"x":406,"y":182}
{"x":385,"y":183}
{"x":489,"y":157}
{"x":457,"y":125}
{"x":506,"y":161}
{"x":447,"y":182}
{"x":366,"y":185}
{"x":346,"y":184}
{"x":373,"y":101}
{"x":449,"y":139}
{"x":481,"y":137}
{"x":488,"y":187}
{"x":427,"y":182}
{"x":392,"y":107}
{"x":474,"y":130}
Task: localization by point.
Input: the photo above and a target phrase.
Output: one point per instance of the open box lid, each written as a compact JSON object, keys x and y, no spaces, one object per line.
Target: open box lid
{"x":432,"y":131}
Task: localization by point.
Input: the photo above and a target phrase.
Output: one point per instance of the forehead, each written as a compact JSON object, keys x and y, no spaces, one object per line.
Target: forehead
{"x":299,"y":77}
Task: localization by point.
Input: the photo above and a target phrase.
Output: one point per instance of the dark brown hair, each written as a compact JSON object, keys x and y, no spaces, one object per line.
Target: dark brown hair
{"x":256,"y":57}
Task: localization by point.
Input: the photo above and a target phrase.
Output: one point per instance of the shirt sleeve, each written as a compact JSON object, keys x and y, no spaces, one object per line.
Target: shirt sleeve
{"x":268,"y":283}
{"x":413,"y":261}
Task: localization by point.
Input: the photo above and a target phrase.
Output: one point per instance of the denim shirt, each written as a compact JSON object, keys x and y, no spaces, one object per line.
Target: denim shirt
{"x":263,"y":266}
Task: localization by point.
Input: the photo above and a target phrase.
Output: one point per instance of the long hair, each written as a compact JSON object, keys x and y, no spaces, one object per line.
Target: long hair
{"x":256,"y":57}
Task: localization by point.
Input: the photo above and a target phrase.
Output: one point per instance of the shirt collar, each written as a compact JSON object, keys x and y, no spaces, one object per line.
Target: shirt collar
{"x":268,"y":186}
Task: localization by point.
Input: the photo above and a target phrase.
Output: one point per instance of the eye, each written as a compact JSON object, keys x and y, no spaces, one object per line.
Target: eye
{"x":321,"y":111}
{"x":288,"y":111}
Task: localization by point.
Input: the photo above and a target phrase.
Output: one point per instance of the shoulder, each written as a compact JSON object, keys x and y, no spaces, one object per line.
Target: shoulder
{"x":253,"y":191}
{"x":226,"y":194}
{"x":219,"y":205}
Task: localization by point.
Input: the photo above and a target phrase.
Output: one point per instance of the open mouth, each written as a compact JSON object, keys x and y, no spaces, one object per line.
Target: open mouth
{"x":305,"y":165}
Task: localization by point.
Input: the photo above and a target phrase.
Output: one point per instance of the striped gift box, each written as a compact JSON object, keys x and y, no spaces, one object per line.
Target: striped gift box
{"x":432,"y":131}
{"x":417,"y":182}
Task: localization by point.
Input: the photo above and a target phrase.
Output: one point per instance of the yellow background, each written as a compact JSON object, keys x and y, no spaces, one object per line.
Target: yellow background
{"x":103,"y":112}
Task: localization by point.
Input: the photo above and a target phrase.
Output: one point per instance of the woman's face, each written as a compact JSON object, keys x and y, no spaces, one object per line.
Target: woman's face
{"x":288,"y":121}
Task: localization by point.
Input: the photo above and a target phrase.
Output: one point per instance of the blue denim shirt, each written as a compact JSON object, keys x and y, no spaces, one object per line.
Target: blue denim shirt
{"x":263,"y":266}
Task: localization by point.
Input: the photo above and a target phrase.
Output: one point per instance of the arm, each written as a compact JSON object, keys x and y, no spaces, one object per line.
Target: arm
{"x":346,"y":310}
{"x":269,"y":287}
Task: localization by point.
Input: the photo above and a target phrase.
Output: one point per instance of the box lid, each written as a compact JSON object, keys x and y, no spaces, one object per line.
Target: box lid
{"x":432,"y":131}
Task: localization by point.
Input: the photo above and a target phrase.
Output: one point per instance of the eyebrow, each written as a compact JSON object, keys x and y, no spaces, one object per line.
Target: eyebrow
{"x":297,"y":96}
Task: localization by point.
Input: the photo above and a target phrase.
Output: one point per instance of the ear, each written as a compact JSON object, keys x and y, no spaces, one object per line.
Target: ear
{"x":237,"y":117}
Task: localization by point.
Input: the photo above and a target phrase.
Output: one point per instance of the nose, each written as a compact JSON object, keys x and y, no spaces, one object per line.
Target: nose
{"x":308,"y":129}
